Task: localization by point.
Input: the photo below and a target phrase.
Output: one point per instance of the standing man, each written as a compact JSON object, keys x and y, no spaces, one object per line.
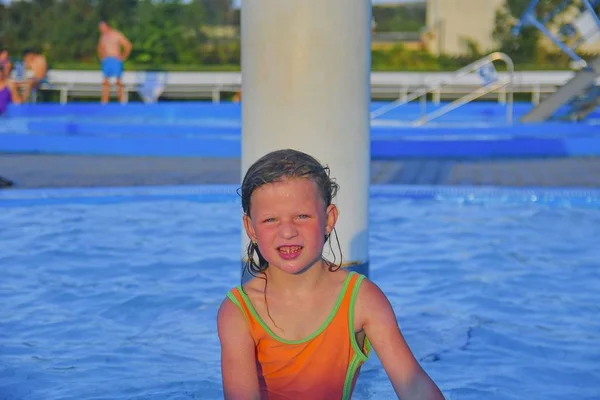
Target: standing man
{"x":113,"y":50}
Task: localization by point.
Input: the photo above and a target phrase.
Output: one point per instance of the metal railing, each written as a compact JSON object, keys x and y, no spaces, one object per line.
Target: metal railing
{"x":385,"y":86}
{"x":485,"y":88}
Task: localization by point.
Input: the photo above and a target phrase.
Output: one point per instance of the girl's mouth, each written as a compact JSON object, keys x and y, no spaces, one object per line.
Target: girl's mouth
{"x":289,"y":252}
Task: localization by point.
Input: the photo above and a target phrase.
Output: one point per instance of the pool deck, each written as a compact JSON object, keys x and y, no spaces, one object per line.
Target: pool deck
{"x":56,"y":171}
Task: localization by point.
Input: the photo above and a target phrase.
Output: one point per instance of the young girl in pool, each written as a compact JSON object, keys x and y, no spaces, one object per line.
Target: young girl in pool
{"x":303,"y":326}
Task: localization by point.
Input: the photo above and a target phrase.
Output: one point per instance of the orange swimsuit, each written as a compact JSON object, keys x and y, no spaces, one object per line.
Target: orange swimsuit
{"x":324,"y":365}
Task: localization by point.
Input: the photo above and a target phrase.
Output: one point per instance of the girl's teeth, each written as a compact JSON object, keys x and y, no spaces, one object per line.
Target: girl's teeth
{"x":289,"y":249}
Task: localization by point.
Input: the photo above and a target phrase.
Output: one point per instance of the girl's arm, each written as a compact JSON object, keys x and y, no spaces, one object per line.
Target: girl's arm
{"x":238,"y":359}
{"x":409,"y":380}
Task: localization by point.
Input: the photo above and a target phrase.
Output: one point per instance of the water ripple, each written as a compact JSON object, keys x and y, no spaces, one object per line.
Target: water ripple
{"x":118,"y":299}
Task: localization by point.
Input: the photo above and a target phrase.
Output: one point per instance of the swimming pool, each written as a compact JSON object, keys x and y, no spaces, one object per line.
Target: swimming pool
{"x":196,"y":129}
{"x":112,"y":293}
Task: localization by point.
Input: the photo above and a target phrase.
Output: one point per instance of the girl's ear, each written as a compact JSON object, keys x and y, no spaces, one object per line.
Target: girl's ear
{"x":331,"y":218}
{"x":249,"y":228}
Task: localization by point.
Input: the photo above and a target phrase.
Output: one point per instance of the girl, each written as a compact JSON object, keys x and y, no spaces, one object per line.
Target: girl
{"x":302,"y":328}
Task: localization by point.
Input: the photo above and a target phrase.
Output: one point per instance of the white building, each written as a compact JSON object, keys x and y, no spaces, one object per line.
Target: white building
{"x":451,"y":24}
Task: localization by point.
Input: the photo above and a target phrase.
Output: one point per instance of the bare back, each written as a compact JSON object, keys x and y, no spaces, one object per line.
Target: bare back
{"x":111,"y":43}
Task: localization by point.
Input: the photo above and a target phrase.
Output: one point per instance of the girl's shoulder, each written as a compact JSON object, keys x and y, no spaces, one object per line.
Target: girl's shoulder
{"x":255,"y":285}
{"x":370,"y":292}
{"x":372,"y":305}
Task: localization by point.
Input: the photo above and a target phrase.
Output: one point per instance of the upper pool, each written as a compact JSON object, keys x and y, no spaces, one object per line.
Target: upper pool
{"x":214,"y":130}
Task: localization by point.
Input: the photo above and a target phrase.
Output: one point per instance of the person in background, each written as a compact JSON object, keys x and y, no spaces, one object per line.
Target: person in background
{"x":5,"y":64}
{"x":36,"y":63}
{"x":113,"y":50}
{"x":8,"y":92}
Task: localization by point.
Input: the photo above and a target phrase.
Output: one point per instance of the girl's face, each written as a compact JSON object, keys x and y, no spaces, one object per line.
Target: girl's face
{"x":289,"y":221}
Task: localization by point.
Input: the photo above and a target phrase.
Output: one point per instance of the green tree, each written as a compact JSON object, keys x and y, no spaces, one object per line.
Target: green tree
{"x":118,"y":13}
{"x":524,"y":47}
{"x":521,"y":48}
{"x":217,"y":12}
{"x":401,"y":18}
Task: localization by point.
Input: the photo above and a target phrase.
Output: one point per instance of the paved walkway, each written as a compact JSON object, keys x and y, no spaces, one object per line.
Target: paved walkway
{"x":35,"y":171}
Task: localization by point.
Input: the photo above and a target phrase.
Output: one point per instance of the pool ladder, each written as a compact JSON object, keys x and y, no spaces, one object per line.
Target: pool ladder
{"x":491,"y":83}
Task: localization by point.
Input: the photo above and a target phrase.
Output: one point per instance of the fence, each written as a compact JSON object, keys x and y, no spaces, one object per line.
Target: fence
{"x":214,"y":85}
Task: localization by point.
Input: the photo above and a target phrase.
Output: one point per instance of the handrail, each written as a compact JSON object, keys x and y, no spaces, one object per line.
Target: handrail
{"x":462,"y":101}
{"x":474,"y":66}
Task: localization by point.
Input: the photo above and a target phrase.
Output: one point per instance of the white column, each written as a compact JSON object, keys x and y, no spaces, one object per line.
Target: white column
{"x":306,"y":86}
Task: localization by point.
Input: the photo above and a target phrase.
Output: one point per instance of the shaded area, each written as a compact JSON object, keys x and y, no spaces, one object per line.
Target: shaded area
{"x":545,"y":172}
{"x":5,"y":183}
{"x":36,"y":171}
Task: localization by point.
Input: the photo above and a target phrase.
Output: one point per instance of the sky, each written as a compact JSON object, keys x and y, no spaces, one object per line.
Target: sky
{"x":237,"y":2}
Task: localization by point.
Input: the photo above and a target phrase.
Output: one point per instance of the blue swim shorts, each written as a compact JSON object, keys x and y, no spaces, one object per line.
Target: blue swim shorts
{"x":112,"y":67}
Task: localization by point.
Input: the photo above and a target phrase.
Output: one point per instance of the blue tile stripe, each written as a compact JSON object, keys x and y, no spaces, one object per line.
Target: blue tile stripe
{"x":571,"y":197}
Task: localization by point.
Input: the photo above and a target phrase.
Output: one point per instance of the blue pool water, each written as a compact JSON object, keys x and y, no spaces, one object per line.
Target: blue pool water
{"x":197,"y":129}
{"x":113,"y":293}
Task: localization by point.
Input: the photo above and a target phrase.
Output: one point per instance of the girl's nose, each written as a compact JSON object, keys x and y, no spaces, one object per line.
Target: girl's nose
{"x":287,"y":231}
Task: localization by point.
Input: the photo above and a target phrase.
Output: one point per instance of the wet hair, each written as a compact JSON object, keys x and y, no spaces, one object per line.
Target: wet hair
{"x":26,"y":52}
{"x":276,"y":167}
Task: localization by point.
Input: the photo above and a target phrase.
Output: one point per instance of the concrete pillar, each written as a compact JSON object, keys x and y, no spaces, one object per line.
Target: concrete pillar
{"x":306,"y":86}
